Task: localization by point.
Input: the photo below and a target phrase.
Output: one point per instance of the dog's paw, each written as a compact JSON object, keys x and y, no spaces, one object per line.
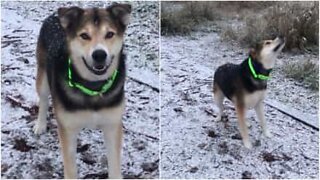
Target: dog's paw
{"x":40,"y":127}
{"x":115,"y":176}
{"x":267,"y":133}
{"x":247,"y":144}
{"x":219,"y":118}
{"x":248,"y":124}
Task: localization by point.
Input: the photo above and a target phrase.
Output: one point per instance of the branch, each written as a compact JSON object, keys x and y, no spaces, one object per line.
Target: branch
{"x":139,"y":133}
{"x":143,"y":83}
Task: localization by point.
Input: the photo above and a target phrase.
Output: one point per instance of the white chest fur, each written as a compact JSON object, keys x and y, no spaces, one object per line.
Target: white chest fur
{"x":251,"y":99}
{"x":89,"y":118}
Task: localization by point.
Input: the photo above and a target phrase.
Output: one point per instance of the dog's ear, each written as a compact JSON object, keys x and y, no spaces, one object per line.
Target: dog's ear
{"x":69,"y":16}
{"x":121,"y":12}
{"x":253,"y":53}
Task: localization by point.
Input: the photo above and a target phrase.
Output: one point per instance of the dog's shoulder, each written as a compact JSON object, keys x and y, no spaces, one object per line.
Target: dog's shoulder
{"x":227,"y":72}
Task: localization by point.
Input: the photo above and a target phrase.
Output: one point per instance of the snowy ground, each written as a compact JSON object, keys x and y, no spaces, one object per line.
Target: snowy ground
{"x":25,"y":155}
{"x":194,"y":145}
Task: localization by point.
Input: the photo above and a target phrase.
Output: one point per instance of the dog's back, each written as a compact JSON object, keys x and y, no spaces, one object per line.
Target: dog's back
{"x":51,"y":47}
{"x":236,"y":80}
{"x":226,"y":78}
{"x":51,"y":39}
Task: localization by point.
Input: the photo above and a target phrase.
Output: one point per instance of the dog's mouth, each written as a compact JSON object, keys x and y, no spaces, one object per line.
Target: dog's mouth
{"x":98,"y":69}
{"x":280,"y":45}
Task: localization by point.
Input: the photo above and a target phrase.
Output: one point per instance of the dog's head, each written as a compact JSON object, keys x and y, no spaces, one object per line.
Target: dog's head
{"x":267,"y":51}
{"x":95,"y":38}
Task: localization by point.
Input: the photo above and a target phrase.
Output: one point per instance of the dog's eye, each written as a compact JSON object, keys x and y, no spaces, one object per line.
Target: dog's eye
{"x":85,"y":36}
{"x":109,"y":35}
{"x":268,"y":42}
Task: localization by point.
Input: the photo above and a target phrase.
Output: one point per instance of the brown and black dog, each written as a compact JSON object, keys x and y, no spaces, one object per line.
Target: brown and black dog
{"x":82,"y":66}
{"x":245,"y":84}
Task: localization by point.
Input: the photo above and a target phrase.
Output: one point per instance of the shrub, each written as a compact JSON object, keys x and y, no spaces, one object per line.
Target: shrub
{"x":306,"y":72}
{"x":173,"y":23}
{"x":182,"y":17}
{"x":297,"y":21}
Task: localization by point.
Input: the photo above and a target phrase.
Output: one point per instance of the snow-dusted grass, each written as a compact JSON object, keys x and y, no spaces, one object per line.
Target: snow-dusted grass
{"x":306,"y":72}
{"x":25,"y":155}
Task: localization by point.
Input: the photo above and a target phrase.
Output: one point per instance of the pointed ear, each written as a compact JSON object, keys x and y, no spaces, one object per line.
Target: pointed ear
{"x":253,"y":53}
{"x":69,"y":16}
{"x":121,"y":12}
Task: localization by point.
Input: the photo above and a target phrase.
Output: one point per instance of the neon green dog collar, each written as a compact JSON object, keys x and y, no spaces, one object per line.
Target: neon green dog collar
{"x":253,"y":72}
{"x":87,"y":91}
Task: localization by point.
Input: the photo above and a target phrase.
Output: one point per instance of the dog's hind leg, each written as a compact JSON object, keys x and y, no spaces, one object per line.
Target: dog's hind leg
{"x":243,"y":126}
{"x":43,"y":93}
{"x":260,"y":114}
{"x":43,"y":90}
{"x":218,"y":99}
{"x":113,"y":141}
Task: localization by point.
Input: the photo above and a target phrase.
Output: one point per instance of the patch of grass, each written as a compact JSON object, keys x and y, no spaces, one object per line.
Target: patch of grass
{"x":181,"y":18}
{"x":306,"y":72}
{"x":297,"y":21}
{"x":255,"y":21}
{"x":177,"y":23}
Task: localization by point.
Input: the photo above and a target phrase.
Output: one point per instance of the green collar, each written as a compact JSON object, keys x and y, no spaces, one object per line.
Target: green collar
{"x":253,"y":72}
{"x":87,"y":91}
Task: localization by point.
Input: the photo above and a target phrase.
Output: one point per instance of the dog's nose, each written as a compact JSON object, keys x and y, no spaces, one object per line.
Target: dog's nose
{"x":99,"y":55}
{"x":281,"y":37}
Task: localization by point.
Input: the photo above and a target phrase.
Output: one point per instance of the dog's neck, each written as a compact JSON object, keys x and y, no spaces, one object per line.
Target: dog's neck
{"x":252,"y":83}
{"x":256,"y":69}
{"x":95,"y":85}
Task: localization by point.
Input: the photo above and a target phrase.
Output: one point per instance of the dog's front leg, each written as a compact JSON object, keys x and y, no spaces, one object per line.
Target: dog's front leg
{"x":68,"y":141}
{"x":243,"y":126}
{"x":113,"y":142}
{"x":260,"y":113}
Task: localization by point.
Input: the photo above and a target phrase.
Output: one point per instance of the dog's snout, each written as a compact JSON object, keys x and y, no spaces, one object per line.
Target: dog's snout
{"x":99,"y":55}
{"x":281,"y":37}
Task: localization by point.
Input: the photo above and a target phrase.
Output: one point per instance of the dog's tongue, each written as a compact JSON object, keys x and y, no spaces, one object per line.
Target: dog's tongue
{"x":99,"y":67}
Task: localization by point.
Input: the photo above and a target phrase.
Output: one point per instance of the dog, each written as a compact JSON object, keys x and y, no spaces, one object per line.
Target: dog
{"x":80,"y":62}
{"x":245,"y":84}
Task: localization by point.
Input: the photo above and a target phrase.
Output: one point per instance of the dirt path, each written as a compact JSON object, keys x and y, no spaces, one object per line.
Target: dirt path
{"x":25,"y":155}
{"x":195,"y":146}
